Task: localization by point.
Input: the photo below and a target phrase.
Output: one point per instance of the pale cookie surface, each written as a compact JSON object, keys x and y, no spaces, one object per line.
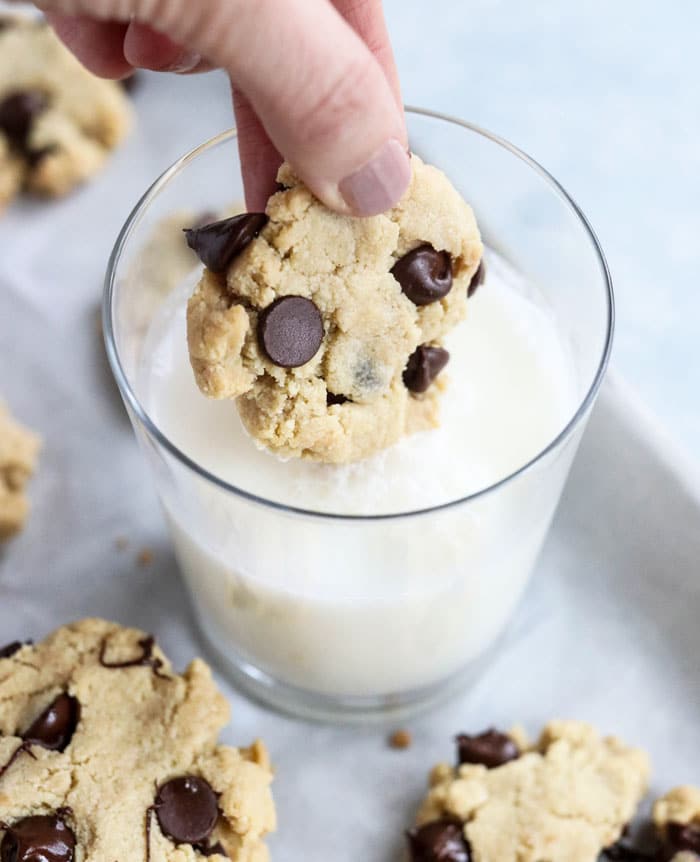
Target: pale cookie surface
{"x":308,"y":326}
{"x":58,"y":122}
{"x":563,"y":800}
{"x":113,"y":757}
{"x":19,"y":448}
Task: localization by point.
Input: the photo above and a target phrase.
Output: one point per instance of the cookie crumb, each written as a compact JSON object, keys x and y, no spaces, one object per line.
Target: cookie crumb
{"x":145,"y":557}
{"x":121,"y":543}
{"x":400,"y":739}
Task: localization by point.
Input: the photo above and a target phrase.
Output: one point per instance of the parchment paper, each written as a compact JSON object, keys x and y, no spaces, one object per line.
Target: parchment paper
{"x":608,"y":631}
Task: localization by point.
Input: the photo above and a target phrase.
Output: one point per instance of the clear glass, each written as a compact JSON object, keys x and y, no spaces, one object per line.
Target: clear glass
{"x":342,"y":617}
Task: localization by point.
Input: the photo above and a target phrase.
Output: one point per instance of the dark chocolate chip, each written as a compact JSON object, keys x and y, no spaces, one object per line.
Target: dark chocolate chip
{"x":42,"y":838}
{"x":332,"y":399}
{"x":35,"y":157}
{"x":215,"y":849}
{"x":187,"y":809}
{"x":425,"y":275}
{"x":683,"y":836}
{"x":491,"y":749}
{"x":146,"y":659}
{"x":17,"y":113}
{"x":131,"y":83}
{"x":624,"y":853}
{"x":10,"y":649}
{"x":55,"y":727}
{"x":439,"y":841}
{"x":7,"y":23}
{"x":477,"y":279}
{"x":290,"y":331}
{"x":217,"y":244}
{"x":424,"y":365}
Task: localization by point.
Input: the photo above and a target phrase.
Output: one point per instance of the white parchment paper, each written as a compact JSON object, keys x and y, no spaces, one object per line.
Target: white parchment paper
{"x":608,"y":631}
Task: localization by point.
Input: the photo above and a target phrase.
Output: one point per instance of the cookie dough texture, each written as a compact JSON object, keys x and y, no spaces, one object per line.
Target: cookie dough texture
{"x":370,"y":327}
{"x":84,"y":119}
{"x":136,"y":731}
{"x":563,"y":800}
{"x":19,"y":448}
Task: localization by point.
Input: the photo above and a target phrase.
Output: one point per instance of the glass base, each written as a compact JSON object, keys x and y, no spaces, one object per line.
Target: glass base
{"x":338,"y":709}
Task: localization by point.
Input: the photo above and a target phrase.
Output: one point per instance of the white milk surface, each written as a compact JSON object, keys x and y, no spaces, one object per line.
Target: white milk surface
{"x":371,"y":609}
{"x":511,"y":391}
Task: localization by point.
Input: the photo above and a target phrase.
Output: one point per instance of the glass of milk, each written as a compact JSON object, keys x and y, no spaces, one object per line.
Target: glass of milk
{"x":372,"y":589}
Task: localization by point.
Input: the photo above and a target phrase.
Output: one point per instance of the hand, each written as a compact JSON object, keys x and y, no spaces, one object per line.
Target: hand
{"x":313,"y":80}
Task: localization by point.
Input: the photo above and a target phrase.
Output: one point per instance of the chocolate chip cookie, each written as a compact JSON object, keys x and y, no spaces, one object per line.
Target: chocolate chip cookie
{"x":677,"y":821}
{"x":328,"y":329}
{"x":107,"y":754}
{"x":19,"y":448}
{"x":564,"y":799}
{"x":58,"y":122}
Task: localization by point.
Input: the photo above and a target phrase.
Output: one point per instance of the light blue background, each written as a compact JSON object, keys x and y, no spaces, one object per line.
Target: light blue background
{"x":606,"y":95}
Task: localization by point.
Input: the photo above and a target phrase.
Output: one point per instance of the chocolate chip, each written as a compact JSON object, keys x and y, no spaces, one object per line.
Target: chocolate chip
{"x":290,"y":331}
{"x":624,"y":853}
{"x":42,"y":838}
{"x":146,"y":659}
{"x":332,"y":399}
{"x":17,"y":113}
{"x":217,"y":244}
{"x":439,"y":841}
{"x":478,"y":278}
{"x":215,"y":849}
{"x":683,"y":836}
{"x":423,"y":367}
{"x":35,"y":157}
{"x":10,"y":649}
{"x":55,"y":727}
{"x":425,"y":275}
{"x":131,"y":83}
{"x":187,"y":809}
{"x":7,"y":23}
{"x":491,"y":749}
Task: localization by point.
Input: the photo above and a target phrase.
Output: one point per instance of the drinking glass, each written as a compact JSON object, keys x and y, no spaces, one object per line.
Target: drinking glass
{"x":348,"y":617}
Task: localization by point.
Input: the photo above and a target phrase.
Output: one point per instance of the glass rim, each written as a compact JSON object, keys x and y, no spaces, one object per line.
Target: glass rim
{"x":134,"y":404}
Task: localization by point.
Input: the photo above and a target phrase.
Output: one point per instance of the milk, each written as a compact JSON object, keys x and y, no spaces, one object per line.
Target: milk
{"x":366,"y":608}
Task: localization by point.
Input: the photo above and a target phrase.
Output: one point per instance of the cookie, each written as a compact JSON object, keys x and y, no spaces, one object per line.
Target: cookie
{"x":677,"y":822}
{"x":564,"y":799}
{"x":326,"y":329}
{"x":107,"y":754}
{"x":58,"y":122}
{"x":19,"y":448}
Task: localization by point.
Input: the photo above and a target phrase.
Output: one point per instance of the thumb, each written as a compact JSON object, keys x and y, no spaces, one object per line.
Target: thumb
{"x":320,"y":95}
{"x":325,"y":103}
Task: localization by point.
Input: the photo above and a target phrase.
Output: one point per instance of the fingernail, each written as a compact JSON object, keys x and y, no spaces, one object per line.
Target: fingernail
{"x":378,"y":185}
{"x":187,"y":61}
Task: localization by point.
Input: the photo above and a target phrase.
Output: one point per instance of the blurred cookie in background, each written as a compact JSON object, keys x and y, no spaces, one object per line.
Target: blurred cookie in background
{"x":19,"y":448}
{"x":58,"y":122}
